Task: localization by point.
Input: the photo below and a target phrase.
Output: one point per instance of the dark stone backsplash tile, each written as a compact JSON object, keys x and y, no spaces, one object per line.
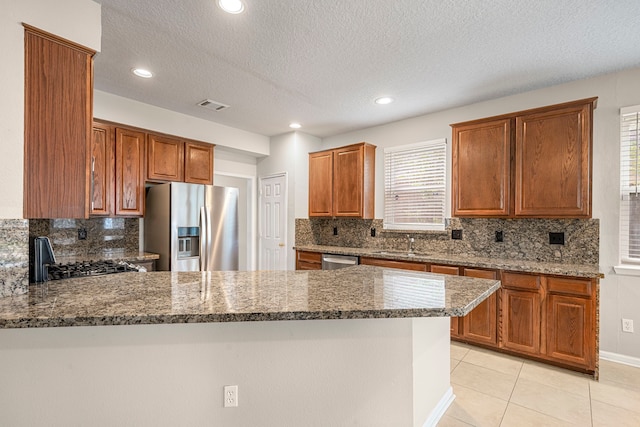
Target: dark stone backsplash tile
{"x":104,"y":235}
{"x":14,"y":257}
{"x":524,"y":239}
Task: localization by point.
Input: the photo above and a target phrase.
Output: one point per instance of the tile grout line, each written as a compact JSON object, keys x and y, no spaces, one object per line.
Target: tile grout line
{"x":590,"y":404}
{"x":511,"y":394}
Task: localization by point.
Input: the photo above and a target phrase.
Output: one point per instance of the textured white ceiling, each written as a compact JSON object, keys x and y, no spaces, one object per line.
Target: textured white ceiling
{"x":323,"y":62}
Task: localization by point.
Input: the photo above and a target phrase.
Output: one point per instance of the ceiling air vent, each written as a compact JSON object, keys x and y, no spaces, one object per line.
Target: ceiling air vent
{"x":212,"y":105}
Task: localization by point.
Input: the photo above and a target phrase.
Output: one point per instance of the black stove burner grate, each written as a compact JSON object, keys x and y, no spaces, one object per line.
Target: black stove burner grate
{"x":90,"y":268}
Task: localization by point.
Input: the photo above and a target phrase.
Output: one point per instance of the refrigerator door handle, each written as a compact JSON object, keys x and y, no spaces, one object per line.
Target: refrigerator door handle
{"x":203,"y":238}
{"x":208,"y":240}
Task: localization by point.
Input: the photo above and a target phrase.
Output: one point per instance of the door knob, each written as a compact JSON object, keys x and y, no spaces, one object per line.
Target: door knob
{"x":281,"y":244}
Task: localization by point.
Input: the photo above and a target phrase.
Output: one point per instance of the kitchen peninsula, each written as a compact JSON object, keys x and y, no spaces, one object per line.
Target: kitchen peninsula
{"x":373,"y":342}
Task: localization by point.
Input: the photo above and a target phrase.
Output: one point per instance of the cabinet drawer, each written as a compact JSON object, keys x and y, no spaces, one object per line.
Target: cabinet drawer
{"x":304,"y":265}
{"x":520,"y":281}
{"x":390,"y":263}
{"x":481,"y":274}
{"x":314,"y":257}
{"x":445,"y":269}
{"x":577,"y":287}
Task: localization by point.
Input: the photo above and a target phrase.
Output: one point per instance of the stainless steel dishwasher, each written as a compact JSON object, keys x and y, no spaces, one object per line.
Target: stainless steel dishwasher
{"x":334,"y":262}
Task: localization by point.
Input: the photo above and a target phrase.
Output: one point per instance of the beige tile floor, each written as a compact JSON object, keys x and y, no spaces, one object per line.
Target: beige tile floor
{"x":494,"y":389}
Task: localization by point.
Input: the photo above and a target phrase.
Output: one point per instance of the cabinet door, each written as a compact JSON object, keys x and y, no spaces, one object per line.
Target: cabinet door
{"x":445,"y":269}
{"x":321,"y":184}
{"x":308,"y":260}
{"x":165,"y":158}
{"x":198,"y":167}
{"x":481,"y":171}
{"x":58,"y":90}
{"x":481,"y":324}
{"x":521,"y":298}
{"x":102,"y":168}
{"x":129,"y":172}
{"x":456,"y":326}
{"x":348,"y":181}
{"x":570,"y":329}
{"x":553,"y":163}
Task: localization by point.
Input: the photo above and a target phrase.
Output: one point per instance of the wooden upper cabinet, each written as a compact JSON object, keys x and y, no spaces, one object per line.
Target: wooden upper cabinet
{"x":57,"y":126}
{"x":165,"y":158}
{"x":481,"y":175}
{"x":102,"y":170}
{"x":198,"y":163}
{"x":535,"y":163}
{"x":129,"y":172}
{"x":341,"y":182}
{"x":321,"y":184}
{"x":553,"y":163}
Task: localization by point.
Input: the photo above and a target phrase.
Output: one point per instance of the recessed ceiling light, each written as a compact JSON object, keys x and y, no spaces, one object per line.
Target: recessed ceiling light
{"x":384,"y":100}
{"x":141,"y":72}
{"x":295,"y":125}
{"x":231,"y":6}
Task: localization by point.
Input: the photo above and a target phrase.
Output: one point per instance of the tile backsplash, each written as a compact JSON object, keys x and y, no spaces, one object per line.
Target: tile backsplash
{"x":526,"y":239}
{"x":103,"y":235}
{"x":14,"y":257}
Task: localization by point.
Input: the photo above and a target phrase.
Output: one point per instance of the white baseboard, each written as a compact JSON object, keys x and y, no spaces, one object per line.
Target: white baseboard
{"x":440,"y":409}
{"x":620,"y":358}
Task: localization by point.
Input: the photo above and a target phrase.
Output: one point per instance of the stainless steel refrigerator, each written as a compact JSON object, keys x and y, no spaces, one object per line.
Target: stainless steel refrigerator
{"x":193,"y":227}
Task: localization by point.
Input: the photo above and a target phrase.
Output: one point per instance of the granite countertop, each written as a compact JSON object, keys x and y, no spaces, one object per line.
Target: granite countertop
{"x":575,"y":270}
{"x":114,"y":256}
{"x":169,"y":297}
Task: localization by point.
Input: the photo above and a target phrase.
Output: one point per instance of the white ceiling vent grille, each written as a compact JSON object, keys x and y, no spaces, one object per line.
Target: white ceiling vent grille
{"x":213,"y":105}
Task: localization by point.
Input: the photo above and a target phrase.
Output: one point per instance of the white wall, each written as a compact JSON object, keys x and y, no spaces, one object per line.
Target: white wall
{"x":289,"y":153}
{"x":620,"y":295}
{"x":369,"y":372}
{"x":75,"y":20}
{"x":117,"y":109}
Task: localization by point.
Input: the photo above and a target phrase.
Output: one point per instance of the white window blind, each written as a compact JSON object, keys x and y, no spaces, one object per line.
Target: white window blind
{"x":414,"y":186}
{"x":630,"y":184}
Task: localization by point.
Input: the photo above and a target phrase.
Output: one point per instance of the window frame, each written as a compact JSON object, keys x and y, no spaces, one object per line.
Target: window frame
{"x":392,"y":225}
{"x":626,"y":190}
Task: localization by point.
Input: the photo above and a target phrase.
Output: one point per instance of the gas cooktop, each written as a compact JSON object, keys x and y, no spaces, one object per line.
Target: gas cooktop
{"x":90,"y":268}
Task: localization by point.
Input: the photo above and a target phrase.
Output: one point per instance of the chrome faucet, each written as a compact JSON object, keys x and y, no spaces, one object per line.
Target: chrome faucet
{"x":410,"y":241}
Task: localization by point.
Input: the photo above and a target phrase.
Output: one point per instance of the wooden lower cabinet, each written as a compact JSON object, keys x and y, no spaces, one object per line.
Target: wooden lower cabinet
{"x":481,"y":324}
{"x":456,"y":330}
{"x":570,"y":321}
{"x":521,"y":307}
{"x":390,"y":263}
{"x":308,"y":260}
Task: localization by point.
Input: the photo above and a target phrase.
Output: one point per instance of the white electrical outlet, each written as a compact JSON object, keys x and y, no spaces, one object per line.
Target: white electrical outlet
{"x":627,"y":325}
{"x":230,"y":396}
